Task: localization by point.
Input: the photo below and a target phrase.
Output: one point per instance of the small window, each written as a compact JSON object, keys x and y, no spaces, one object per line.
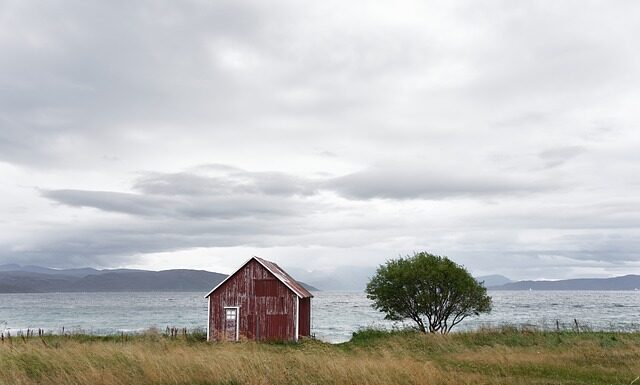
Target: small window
{"x":231,"y":314}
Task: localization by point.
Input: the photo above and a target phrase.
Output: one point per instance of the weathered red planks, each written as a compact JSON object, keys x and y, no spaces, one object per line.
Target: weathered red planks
{"x":267,"y":308}
{"x":305,"y":318}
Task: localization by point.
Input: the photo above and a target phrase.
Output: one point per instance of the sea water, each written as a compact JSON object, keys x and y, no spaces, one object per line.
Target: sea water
{"x":335,"y":315}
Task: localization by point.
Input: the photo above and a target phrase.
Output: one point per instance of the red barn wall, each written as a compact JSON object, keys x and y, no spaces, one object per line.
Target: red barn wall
{"x":267,"y":306}
{"x":305,"y":317}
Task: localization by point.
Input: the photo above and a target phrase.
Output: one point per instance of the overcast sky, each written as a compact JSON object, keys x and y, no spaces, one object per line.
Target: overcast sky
{"x":194,"y":134}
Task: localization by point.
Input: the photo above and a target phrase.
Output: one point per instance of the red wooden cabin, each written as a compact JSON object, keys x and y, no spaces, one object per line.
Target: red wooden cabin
{"x":260,"y":301}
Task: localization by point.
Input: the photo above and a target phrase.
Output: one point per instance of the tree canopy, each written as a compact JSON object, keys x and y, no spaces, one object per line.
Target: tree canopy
{"x":433,"y":291}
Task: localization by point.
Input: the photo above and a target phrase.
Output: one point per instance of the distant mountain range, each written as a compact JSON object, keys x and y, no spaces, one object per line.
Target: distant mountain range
{"x":36,"y":279}
{"x":356,"y":278}
{"x":493,"y":280}
{"x":342,"y":278}
{"x":627,"y":282}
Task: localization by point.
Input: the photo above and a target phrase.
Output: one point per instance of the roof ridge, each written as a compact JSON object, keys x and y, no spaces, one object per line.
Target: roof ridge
{"x":284,"y":277}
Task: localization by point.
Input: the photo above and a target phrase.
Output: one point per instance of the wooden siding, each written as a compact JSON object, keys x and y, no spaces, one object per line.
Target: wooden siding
{"x":267,"y":306}
{"x":305,"y":317}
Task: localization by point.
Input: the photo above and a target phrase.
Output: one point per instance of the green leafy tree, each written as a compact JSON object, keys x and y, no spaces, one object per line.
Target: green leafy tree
{"x":433,"y":291}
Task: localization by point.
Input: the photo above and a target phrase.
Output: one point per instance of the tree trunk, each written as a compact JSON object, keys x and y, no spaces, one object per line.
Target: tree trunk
{"x":420,"y":325}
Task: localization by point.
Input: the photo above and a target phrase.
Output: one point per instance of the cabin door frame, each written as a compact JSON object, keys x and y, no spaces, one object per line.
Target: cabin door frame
{"x":230,"y":324}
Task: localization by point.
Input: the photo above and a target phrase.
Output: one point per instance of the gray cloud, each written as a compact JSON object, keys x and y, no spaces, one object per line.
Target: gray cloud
{"x":123,"y":241}
{"x":233,"y":192}
{"x":411,"y":183}
{"x":231,"y":181}
{"x":230,"y":193}
{"x":557,"y":156}
{"x":75,"y":77}
{"x":144,"y":205}
{"x":502,"y":134}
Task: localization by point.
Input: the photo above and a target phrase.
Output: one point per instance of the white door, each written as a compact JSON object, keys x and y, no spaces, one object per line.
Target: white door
{"x":231,"y":323}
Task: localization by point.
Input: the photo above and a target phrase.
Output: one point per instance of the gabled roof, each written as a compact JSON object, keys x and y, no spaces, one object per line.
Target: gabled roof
{"x":277,"y":271}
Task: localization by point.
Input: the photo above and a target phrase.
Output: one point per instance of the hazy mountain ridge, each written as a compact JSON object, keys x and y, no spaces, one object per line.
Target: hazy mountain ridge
{"x":342,"y":278}
{"x":493,"y":280}
{"x":355,"y":278}
{"x":626,"y":282}
{"x":76,"y":272}
{"x":36,"y":279}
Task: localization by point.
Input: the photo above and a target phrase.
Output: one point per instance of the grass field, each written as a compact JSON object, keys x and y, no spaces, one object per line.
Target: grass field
{"x":505,"y":356}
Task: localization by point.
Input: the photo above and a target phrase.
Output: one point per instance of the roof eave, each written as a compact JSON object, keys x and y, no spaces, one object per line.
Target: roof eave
{"x":294,"y":290}
{"x":228,"y":277}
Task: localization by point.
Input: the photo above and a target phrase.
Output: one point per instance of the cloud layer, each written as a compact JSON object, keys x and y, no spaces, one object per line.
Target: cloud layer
{"x":325,"y":134}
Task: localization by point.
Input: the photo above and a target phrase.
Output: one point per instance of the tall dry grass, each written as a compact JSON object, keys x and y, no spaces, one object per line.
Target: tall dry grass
{"x":484,"y":357}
